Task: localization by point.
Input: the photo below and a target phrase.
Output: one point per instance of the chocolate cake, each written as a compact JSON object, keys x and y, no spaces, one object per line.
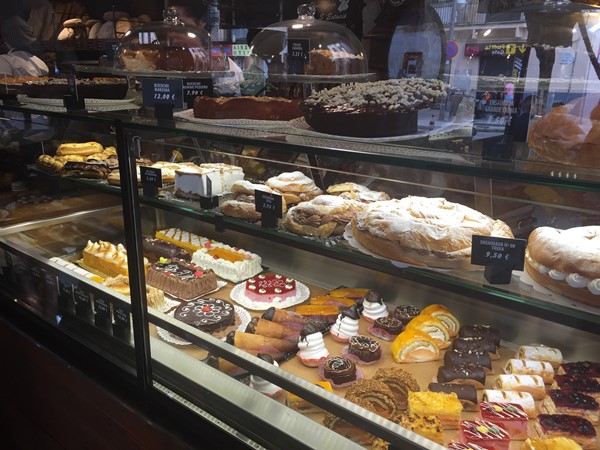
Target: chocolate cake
{"x":483,"y":331}
{"x":154,"y":249}
{"x":479,"y":359}
{"x":104,"y":88}
{"x":339,"y":370}
{"x":372,"y":109}
{"x":466,"y":393}
{"x":207,"y":314}
{"x":180,"y":278}
{"x":406,"y":313}
{"x":364,"y":348}
{"x":464,"y":374}
{"x":474,"y":344}
{"x":387,"y":326}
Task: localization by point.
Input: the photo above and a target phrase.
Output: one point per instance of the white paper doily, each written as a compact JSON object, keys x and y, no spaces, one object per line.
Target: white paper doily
{"x":173,"y":339}
{"x":237,"y":295}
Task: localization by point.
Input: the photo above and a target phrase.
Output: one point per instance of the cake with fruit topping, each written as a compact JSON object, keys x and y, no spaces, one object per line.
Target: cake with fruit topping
{"x":180,"y":278}
{"x":231,"y":263}
{"x":207,"y":314}
{"x":270,"y":288}
{"x":565,"y":425}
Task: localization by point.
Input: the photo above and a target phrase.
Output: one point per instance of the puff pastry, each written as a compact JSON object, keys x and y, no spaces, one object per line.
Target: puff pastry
{"x":323,"y":216}
{"x":424,"y":231}
{"x":534,"y":384}
{"x":294,"y":186}
{"x":540,"y":353}
{"x":566,"y":261}
{"x":528,"y":367}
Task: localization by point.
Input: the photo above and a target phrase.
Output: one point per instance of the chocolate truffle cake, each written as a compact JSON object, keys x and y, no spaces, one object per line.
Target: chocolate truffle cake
{"x":339,"y":370}
{"x":373,"y":109}
{"x":180,"y":278}
{"x":154,"y":249}
{"x":207,"y":314}
{"x":364,"y":348}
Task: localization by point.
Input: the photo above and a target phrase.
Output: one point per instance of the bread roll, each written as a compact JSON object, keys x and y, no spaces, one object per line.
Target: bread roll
{"x":526,"y":367}
{"x":540,"y":353}
{"x":534,"y":384}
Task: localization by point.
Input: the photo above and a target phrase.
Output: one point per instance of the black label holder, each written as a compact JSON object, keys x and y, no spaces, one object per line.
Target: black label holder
{"x":500,"y":256}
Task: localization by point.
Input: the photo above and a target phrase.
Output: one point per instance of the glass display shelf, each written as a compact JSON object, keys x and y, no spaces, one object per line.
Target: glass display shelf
{"x":419,"y":153}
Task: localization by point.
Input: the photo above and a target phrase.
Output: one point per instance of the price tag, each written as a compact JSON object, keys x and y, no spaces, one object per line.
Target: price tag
{"x":156,"y":91}
{"x":270,"y":206}
{"x":500,"y":256}
{"x":151,"y":180}
{"x":65,"y":297}
{"x":83,"y":302}
{"x":50,"y":282}
{"x":102,"y":313}
{"x":72,"y":101}
{"x":207,"y":199}
{"x":196,"y":88}
{"x":37,"y":275}
{"x":297,"y":55}
{"x":121,"y":324}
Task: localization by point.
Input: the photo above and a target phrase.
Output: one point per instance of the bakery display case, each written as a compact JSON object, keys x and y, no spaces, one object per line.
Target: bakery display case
{"x":312,"y":257}
{"x":339,"y":287}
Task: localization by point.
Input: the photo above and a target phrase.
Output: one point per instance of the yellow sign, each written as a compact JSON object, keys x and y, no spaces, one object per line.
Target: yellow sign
{"x":511,"y":49}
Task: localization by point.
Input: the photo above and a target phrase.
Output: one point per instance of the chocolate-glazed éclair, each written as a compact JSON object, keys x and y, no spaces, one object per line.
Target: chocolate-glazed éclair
{"x":475,"y":376}
{"x":484,"y":331}
{"x":466,"y":393}
{"x":455,"y":358}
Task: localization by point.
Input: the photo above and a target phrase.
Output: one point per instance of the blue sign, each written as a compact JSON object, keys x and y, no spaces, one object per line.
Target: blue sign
{"x":451,"y":49}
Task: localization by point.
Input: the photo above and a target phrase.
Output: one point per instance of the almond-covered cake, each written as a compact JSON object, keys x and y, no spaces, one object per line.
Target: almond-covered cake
{"x":373,"y":109}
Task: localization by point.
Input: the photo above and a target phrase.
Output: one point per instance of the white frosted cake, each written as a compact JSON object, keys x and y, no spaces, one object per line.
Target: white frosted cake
{"x":193,"y":182}
{"x":227,"y":262}
{"x":229,"y":174}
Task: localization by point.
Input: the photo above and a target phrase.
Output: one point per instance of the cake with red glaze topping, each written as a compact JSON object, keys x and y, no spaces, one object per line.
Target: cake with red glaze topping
{"x":180,"y":278}
{"x":270,"y":288}
{"x":508,"y":415}
{"x":484,"y":433}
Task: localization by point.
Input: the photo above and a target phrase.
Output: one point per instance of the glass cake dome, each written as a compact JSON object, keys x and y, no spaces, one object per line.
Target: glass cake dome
{"x":170,"y":46}
{"x":307,"y":46}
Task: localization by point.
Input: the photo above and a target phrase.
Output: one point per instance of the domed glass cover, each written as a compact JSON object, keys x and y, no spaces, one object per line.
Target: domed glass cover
{"x":307,"y":46}
{"x":170,"y":45}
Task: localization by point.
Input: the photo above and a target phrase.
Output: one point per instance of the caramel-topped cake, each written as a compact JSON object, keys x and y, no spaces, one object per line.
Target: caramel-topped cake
{"x":233,"y":264}
{"x":571,"y":402}
{"x":445,"y":406}
{"x":181,"y":238}
{"x":564,"y":425}
{"x":107,"y":258}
